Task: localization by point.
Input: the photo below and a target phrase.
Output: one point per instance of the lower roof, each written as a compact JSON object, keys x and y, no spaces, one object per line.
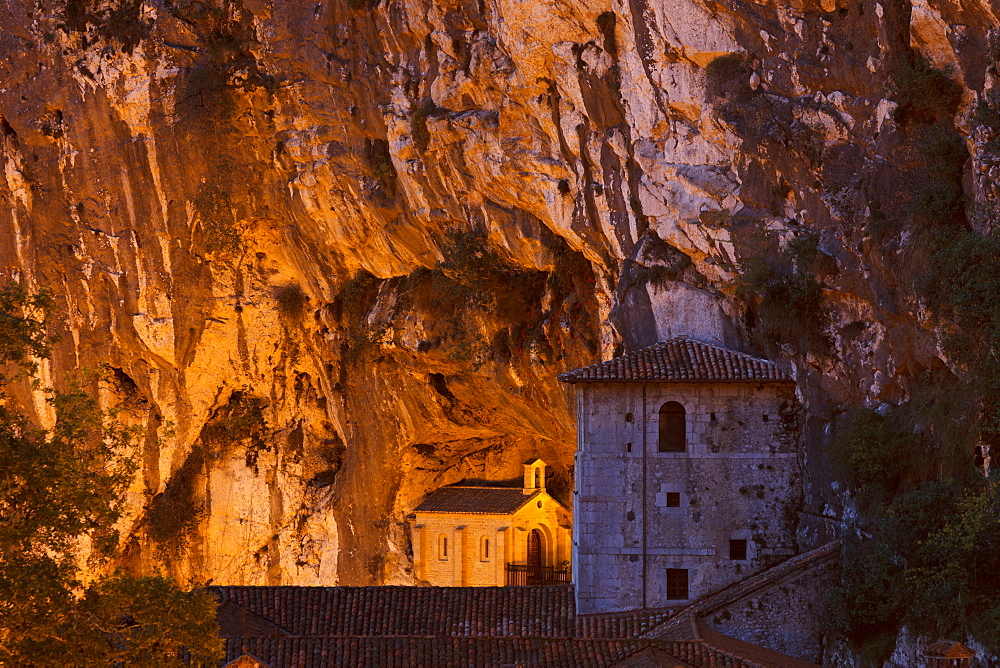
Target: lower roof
{"x":310,"y":627}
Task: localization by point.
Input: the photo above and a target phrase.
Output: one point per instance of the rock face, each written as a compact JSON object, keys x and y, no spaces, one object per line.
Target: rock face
{"x":329,"y":256}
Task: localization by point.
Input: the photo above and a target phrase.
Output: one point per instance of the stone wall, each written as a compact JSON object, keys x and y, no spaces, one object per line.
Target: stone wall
{"x":739,"y":479}
{"x":786,"y":617}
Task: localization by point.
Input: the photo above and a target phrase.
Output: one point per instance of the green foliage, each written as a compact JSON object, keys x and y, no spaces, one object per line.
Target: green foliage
{"x":240,"y":420}
{"x":789,"y":299}
{"x":173,"y":515}
{"x":331,"y":454}
{"x":219,"y":233}
{"x":940,"y":200}
{"x":133,"y":620}
{"x":924,"y":94}
{"x":606,"y":21}
{"x":930,"y":564}
{"x":226,"y":38}
{"x":757,"y":116}
{"x":23,"y":320}
{"x":59,"y":488}
{"x":291,"y":300}
{"x":728,"y":77}
{"x":378,"y":158}
{"x":473,"y":275}
{"x":421,"y":135}
{"x":118,"y":23}
{"x":961,"y":284}
{"x":986,"y":117}
{"x":870,"y":450}
{"x":865,"y":605}
{"x":353,"y":304}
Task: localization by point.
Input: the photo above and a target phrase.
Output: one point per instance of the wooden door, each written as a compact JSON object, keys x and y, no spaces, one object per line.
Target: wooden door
{"x":535,"y":555}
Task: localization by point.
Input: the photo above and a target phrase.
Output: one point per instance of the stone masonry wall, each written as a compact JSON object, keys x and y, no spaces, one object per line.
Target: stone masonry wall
{"x":787,"y":617}
{"x":739,"y":479}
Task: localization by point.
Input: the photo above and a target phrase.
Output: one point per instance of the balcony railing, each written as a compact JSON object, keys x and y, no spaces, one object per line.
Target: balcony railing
{"x":522,"y":575}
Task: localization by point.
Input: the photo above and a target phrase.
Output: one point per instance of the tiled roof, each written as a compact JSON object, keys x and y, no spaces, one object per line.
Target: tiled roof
{"x":317,"y":651}
{"x":475,"y":500}
{"x":748,"y":652}
{"x":948,"y":649}
{"x":310,"y":627}
{"x":309,"y":652}
{"x":536,"y":612}
{"x":680,"y":360}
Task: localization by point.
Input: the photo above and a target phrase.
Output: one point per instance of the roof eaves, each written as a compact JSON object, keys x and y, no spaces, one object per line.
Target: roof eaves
{"x":565,"y":378}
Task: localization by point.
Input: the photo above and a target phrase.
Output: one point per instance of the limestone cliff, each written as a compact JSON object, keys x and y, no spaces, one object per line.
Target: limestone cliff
{"x":331,"y":255}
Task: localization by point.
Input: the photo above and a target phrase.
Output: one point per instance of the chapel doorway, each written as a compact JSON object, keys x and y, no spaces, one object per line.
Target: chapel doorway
{"x":535,"y":555}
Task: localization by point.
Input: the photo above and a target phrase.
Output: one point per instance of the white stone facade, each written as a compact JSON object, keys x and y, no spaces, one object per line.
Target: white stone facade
{"x":739,"y":479}
{"x":473,"y":549}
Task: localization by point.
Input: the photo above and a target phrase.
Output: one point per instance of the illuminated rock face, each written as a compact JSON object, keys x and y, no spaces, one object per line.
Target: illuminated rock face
{"x":259,"y":218}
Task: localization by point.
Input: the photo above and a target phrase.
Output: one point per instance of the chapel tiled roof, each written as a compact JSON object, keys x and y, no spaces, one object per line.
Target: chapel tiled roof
{"x":682,"y":360}
{"x":948,"y":649}
{"x":475,"y":500}
{"x":536,"y":612}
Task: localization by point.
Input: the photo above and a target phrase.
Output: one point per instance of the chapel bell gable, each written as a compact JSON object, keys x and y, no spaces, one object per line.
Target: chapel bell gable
{"x":534,"y":476}
{"x":492,"y":536}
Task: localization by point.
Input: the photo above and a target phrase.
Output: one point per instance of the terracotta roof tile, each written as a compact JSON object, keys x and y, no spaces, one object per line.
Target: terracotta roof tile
{"x":448,"y":626}
{"x":680,"y":360}
{"x":537,"y":612}
{"x":309,"y":652}
{"x":948,"y":649}
{"x":475,"y":500}
{"x":317,"y":651}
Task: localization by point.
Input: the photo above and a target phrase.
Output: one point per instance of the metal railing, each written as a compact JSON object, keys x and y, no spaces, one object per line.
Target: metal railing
{"x":522,"y":575}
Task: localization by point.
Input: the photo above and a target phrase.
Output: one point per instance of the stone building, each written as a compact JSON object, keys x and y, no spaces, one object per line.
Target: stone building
{"x":467,"y":536}
{"x":687,"y":475}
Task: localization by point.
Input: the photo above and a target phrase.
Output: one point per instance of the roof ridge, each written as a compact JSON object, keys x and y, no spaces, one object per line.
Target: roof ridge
{"x":680,"y":359}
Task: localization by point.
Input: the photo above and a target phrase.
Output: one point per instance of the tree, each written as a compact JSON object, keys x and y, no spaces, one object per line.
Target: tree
{"x":62,"y":489}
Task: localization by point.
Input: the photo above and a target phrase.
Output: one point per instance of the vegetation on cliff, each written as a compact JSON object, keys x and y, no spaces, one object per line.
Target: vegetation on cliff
{"x":926,"y":550}
{"x":61,"y":489}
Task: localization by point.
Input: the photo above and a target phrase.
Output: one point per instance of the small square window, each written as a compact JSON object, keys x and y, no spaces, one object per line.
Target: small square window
{"x":738,"y":550}
{"x":677,"y":584}
{"x":673,"y":499}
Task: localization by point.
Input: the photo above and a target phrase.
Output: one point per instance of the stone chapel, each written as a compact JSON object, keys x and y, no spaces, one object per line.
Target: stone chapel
{"x":474,"y":536}
{"x":687,"y":474}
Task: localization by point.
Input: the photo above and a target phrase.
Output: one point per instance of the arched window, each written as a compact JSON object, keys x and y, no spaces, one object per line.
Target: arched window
{"x":538,"y":478}
{"x":484,"y":549}
{"x":443,"y":548}
{"x":673,"y":430}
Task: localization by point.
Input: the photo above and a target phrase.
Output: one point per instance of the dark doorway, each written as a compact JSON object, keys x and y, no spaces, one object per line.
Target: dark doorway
{"x":535,"y":556}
